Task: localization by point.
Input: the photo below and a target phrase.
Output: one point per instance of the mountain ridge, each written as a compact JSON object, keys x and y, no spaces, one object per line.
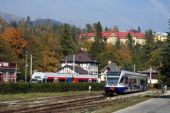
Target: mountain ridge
{"x":13,"y":18}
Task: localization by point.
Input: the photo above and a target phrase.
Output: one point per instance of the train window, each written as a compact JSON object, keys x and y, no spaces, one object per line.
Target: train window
{"x":113,"y":81}
{"x":142,"y":81}
{"x":126,"y":80}
{"x":113,"y":73}
{"x":134,"y":80}
{"x":93,"y":80}
{"x":122,"y":80}
{"x":11,"y":73}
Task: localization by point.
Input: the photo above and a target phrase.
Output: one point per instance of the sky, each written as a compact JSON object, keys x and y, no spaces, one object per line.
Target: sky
{"x":126,"y":14}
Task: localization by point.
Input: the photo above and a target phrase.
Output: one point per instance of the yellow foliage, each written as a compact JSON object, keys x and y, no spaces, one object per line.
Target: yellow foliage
{"x":14,"y":38}
{"x":124,"y":54}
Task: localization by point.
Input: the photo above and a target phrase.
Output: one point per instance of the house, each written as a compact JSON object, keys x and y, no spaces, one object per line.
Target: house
{"x":82,"y":66}
{"x":160,"y":36}
{"x":111,"y":66}
{"x":152,"y":76}
{"x":7,"y":72}
{"x":78,"y":74}
{"x":76,"y":70}
{"x":83,"y":60}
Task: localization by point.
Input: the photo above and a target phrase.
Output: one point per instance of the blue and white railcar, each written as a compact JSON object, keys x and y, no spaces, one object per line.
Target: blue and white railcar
{"x":120,"y":82}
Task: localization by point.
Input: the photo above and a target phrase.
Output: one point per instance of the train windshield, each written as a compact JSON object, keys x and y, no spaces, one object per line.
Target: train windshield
{"x":113,"y":74}
{"x":112,"y":78}
{"x":112,"y":81}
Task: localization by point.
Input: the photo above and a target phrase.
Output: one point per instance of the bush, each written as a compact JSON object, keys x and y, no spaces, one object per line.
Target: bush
{"x":47,"y":87}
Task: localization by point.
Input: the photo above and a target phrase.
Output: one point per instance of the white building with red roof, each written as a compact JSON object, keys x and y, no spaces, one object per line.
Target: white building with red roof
{"x":8,"y":72}
{"x":112,"y":37}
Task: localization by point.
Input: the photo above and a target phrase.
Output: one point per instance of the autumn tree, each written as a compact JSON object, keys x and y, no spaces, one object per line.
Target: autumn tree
{"x":6,"y":53}
{"x":14,"y":38}
{"x":124,"y":57}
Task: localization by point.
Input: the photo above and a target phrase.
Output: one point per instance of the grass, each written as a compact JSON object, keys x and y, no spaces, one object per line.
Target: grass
{"x":22,"y":96}
{"x":120,"y":104}
{"x":125,"y":102}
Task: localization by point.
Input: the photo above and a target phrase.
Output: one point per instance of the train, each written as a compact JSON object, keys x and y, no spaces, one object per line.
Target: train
{"x":48,"y":77}
{"x":120,"y":82}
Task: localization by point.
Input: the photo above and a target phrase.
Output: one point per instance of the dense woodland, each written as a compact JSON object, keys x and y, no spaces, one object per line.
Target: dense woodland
{"x":49,"y":43}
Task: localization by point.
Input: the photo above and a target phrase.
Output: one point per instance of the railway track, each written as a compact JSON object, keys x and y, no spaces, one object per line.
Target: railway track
{"x":69,"y":104}
{"x":57,"y":105}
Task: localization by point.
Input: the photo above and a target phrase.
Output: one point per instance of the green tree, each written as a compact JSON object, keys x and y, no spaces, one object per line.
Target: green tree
{"x":98,"y":31}
{"x":118,"y":43}
{"x":138,"y":57}
{"x":67,"y":42}
{"x":130,"y":41}
{"x":165,"y":69}
{"x":139,"y":29}
{"x":106,"y":29}
{"x":98,"y":44}
{"x":89,"y":28}
{"x":108,"y":55}
{"x":149,"y":46}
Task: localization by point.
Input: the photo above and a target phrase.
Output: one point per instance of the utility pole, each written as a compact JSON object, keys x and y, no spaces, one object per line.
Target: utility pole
{"x":73,"y":65}
{"x":26,"y":66}
{"x":31,"y":66}
{"x":134,"y":68}
{"x":150,"y":76}
{"x":16,"y":73}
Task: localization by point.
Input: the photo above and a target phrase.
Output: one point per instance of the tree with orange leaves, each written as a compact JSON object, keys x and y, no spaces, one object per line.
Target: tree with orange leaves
{"x":14,"y":38}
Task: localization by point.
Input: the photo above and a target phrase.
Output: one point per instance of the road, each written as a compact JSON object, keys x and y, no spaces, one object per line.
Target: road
{"x":154,"y":105}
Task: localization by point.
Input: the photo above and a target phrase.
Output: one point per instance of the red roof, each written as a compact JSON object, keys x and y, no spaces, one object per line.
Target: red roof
{"x":117,"y":34}
{"x":87,"y":34}
{"x":106,"y":34}
{"x":121,"y":34}
{"x":90,"y":34}
{"x":138,"y":35}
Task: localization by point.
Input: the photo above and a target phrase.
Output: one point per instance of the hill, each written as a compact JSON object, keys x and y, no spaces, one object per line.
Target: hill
{"x":47,"y":21}
{"x":10,"y":18}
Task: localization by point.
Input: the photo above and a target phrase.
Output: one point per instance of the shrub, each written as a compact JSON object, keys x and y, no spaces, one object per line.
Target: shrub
{"x":47,"y":87}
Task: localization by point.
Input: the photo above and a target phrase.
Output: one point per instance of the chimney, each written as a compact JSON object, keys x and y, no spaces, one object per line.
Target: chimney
{"x":109,"y":62}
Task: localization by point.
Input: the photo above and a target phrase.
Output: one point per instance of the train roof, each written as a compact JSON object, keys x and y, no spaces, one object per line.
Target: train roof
{"x":129,"y":72}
